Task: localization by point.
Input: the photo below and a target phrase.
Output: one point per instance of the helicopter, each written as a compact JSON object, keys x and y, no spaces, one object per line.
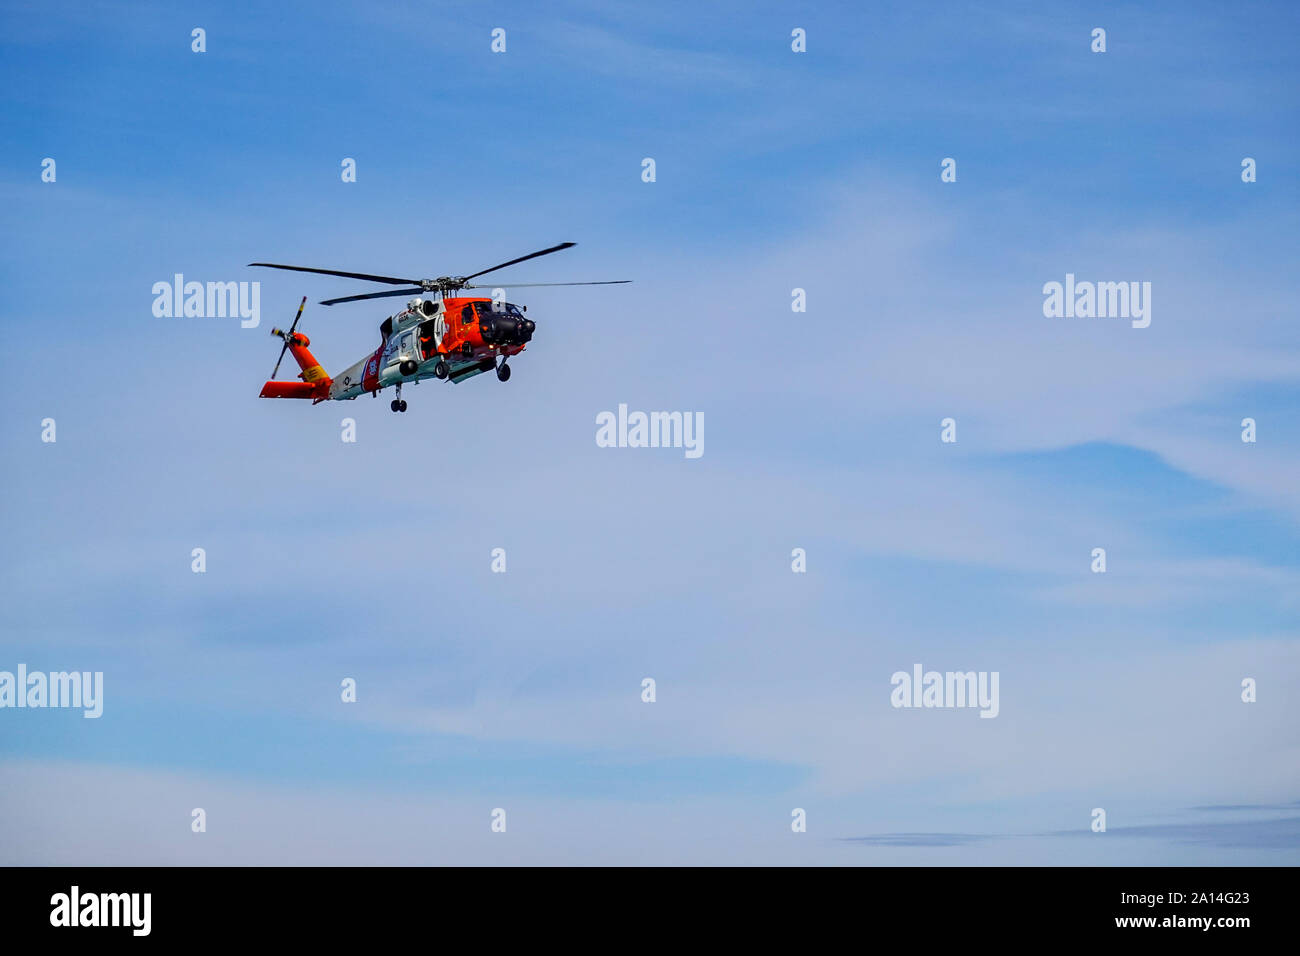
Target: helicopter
{"x":446,"y":337}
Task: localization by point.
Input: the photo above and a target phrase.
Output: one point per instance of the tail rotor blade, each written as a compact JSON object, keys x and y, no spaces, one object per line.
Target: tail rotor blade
{"x":287,"y":337}
{"x":284,"y":349}
{"x":301,"y":305}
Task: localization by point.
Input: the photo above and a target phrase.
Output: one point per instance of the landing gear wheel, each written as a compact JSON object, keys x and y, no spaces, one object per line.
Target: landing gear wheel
{"x":401,"y":406}
{"x":503,"y":373}
{"x":440,"y":370}
{"x":395,"y":405}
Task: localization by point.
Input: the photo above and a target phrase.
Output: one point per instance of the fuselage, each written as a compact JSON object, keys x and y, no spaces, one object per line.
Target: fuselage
{"x":470,"y":335}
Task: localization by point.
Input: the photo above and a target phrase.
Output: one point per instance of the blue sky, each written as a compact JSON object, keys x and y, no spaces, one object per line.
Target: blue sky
{"x":775,"y":171}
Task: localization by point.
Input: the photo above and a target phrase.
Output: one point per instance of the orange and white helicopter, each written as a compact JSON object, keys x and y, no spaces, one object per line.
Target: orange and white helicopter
{"x":446,"y":337}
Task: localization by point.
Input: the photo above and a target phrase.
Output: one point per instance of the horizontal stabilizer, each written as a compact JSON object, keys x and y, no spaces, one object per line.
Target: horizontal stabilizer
{"x":288,"y":390}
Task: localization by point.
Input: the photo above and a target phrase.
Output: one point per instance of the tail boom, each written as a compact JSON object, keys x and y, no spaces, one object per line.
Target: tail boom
{"x":315,"y":382}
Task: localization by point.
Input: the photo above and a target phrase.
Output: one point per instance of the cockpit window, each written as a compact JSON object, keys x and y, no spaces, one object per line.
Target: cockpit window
{"x":505,"y":308}
{"x":467,"y":314}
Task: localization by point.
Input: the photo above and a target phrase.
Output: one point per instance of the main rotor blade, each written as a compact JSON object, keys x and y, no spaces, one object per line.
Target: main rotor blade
{"x":372,"y":295}
{"x":535,"y":285}
{"x":391,"y":280}
{"x":531,"y":255}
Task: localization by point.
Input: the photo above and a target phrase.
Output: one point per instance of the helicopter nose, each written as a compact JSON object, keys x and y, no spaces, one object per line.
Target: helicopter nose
{"x":505,"y":330}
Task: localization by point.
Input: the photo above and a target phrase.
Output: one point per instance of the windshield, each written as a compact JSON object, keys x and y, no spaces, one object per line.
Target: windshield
{"x":506,"y":308}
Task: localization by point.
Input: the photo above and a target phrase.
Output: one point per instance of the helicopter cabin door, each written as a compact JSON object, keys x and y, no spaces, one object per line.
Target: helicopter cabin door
{"x":398,"y":346}
{"x":431,"y":333}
